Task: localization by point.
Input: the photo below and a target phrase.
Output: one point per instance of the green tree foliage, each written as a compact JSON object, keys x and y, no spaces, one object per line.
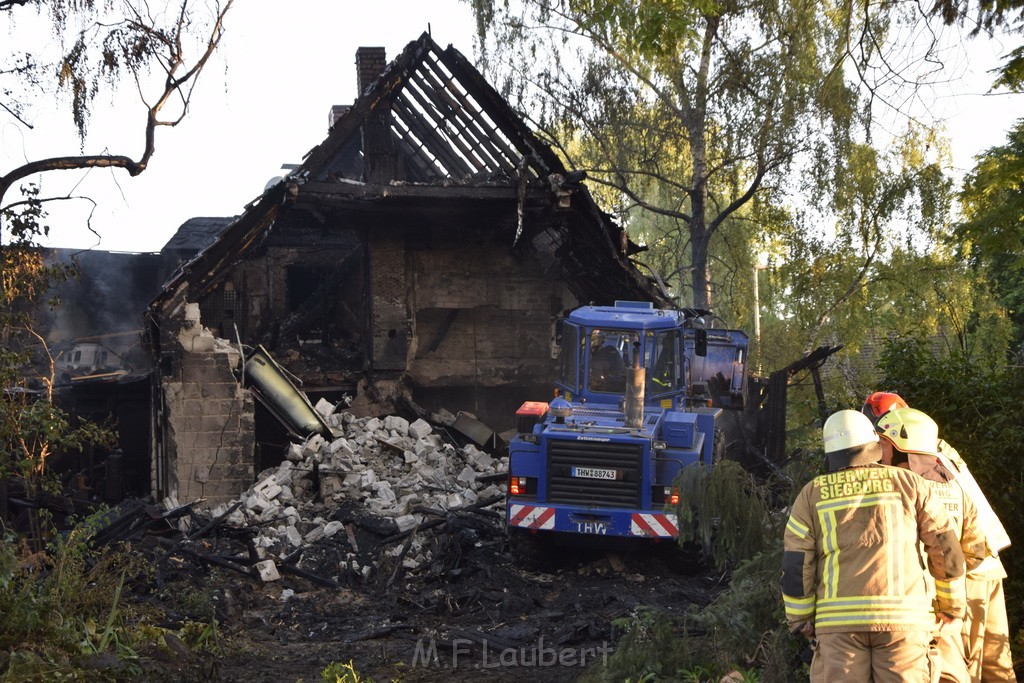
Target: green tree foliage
{"x":160,"y":48}
{"x":992,"y":234}
{"x":694,"y":109}
{"x":976,"y":402}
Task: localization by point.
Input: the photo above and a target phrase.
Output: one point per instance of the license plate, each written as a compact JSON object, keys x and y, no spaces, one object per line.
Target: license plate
{"x":594,"y":473}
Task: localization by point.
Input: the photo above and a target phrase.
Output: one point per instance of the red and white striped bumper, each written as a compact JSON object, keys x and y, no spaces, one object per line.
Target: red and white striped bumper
{"x":660,"y":525}
{"x":531,"y":516}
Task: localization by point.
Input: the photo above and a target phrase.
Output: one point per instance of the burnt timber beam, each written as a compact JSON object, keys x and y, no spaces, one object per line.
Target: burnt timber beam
{"x":346,"y":192}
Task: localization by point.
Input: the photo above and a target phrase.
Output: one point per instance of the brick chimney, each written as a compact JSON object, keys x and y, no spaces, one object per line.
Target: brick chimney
{"x":380,"y":162}
{"x":370,"y":62}
{"x":337,"y":112}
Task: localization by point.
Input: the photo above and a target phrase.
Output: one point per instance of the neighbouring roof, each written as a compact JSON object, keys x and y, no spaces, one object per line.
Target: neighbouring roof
{"x":430,"y":130}
{"x":197,"y":233}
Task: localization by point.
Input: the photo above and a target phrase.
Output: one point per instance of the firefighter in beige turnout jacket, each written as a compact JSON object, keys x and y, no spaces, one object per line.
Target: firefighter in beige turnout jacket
{"x":910,"y":439}
{"x":853,"y":576}
{"x":986,"y":629}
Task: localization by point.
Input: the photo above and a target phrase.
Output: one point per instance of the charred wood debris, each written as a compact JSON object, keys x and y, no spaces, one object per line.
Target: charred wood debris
{"x":389,"y":532}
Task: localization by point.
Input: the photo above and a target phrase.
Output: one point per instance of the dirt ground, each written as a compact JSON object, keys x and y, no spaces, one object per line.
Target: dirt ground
{"x":473,"y":614}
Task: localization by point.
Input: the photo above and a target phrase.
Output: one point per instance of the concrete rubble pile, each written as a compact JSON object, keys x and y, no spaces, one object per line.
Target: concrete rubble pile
{"x":389,"y":466}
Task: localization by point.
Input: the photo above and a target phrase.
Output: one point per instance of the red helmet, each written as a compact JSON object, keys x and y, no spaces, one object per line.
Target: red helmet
{"x":881,"y":402}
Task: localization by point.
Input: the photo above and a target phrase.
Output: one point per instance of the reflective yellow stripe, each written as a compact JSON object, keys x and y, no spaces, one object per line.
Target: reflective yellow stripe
{"x":797,"y":528}
{"x":799,"y":606}
{"x":944,"y":589}
{"x":831,"y":573}
{"x":856,"y":501}
{"x":881,"y":600}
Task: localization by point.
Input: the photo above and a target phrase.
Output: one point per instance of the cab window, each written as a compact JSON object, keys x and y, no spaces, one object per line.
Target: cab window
{"x":665,"y":373}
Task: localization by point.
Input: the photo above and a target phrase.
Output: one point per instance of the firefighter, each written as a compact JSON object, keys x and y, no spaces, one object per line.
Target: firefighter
{"x":910,"y":439}
{"x":852,"y":575}
{"x":986,"y":629}
{"x":879,"y":403}
{"x":607,"y":369}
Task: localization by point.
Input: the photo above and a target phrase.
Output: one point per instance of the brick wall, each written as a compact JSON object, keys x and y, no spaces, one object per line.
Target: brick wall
{"x":482,"y":316}
{"x":389,"y":321}
{"x":209,"y":425}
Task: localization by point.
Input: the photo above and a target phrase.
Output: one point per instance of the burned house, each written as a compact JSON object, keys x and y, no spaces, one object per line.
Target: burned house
{"x":420,"y":254}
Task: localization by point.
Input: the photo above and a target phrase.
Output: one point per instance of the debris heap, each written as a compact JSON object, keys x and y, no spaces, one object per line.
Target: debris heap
{"x":386,"y":474}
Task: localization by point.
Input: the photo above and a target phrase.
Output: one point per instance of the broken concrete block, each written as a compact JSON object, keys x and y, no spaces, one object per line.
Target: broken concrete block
{"x":292,"y":535}
{"x":268,"y":488}
{"x":257,"y":502}
{"x":394,"y":423}
{"x":454,"y":500}
{"x":467,"y":475}
{"x":315,"y":534}
{"x":286,"y":495}
{"x":354,"y":479}
{"x":291,"y":514}
{"x":330,"y":484}
{"x":371,"y":425}
{"x":480,"y":460}
{"x":341,"y":462}
{"x":384,"y":491}
{"x":340,"y":445}
{"x":324,"y":407}
{"x":332,"y":528}
{"x":197,"y":343}
{"x":410,"y":457}
{"x":236,"y":518}
{"x":192,"y":317}
{"x":419,"y":429}
{"x":405,"y":522}
{"x":313,"y":445}
{"x":380,"y":507}
{"x":294,"y":452}
{"x":287,"y":593}
{"x":267,"y":570}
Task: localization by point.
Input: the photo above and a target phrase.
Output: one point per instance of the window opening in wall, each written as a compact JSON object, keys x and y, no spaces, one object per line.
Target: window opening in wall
{"x":219,"y":310}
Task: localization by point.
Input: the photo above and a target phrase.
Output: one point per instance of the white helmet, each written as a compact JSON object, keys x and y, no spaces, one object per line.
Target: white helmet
{"x":847,"y":429}
{"x":910,"y":431}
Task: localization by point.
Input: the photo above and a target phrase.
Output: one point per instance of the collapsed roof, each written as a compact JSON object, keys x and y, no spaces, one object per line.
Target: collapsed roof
{"x":431,"y":133}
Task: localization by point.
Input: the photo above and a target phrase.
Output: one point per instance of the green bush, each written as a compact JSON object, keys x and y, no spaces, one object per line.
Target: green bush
{"x":738,"y":520}
{"x":62,"y":610}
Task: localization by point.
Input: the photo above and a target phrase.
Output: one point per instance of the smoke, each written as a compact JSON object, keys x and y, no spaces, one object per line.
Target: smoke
{"x":109,"y":295}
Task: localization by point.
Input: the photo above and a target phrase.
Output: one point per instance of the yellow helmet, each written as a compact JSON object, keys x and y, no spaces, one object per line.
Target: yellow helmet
{"x":847,"y":429}
{"x":909,"y":430}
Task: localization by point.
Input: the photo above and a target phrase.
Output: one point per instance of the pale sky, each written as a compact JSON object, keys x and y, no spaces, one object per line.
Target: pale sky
{"x":264,"y":102}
